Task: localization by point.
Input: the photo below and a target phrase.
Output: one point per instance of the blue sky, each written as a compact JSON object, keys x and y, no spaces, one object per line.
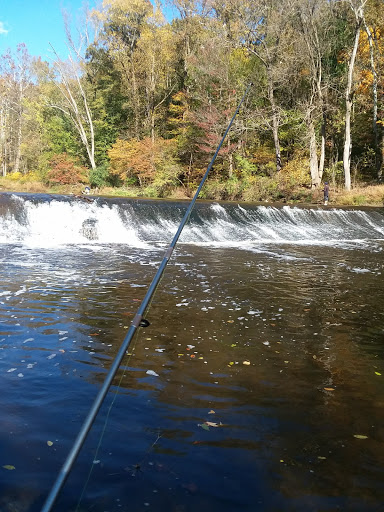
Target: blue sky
{"x":36,"y":23}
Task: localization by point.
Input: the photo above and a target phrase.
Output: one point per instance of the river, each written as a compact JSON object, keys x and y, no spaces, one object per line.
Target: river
{"x":258,"y":384}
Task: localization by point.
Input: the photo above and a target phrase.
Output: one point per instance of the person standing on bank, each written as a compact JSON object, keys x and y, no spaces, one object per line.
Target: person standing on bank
{"x":326,"y":192}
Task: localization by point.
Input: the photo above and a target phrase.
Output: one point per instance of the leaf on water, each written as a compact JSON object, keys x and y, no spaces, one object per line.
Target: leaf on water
{"x":9,"y":467}
{"x":360,"y":436}
{"x":231,"y":363}
{"x":203,"y":425}
{"x":230,"y":321}
{"x":247,"y":363}
{"x":329,"y":389}
{"x":377,"y":373}
{"x":211,"y":424}
{"x":211,"y":412}
{"x":49,"y":443}
{"x":151,"y":372}
{"x":233,"y":345}
{"x":314,"y":357}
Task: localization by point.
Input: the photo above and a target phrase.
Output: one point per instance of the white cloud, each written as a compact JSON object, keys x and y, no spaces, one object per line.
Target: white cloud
{"x":2,"y":29}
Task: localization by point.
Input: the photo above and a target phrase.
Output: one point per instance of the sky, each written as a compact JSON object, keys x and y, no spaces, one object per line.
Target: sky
{"x":37,"y":23}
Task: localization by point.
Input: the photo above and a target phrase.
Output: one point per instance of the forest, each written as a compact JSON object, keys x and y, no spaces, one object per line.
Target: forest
{"x":142,"y":101}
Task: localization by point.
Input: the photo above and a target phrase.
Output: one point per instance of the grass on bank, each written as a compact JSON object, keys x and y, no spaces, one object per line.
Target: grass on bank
{"x":262,"y":191}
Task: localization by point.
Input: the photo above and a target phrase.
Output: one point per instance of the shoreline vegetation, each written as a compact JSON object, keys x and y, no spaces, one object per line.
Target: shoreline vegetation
{"x":141,"y":102}
{"x":361,"y":195}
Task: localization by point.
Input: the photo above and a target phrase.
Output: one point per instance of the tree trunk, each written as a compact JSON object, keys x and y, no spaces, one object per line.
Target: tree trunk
{"x":348,"y":109}
{"x":275,"y":122}
{"x":314,"y":167}
{"x":378,"y":156}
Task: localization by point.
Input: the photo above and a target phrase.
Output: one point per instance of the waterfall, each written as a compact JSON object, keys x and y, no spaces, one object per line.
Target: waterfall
{"x":47,"y":220}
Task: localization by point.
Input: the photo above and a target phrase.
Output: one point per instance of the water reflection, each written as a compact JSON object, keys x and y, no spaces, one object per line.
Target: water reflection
{"x":283,"y":425}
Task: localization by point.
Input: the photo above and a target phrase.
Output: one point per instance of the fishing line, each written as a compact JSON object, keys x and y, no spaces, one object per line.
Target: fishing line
{"x":104,"y":428}
{"x":138,"y":321}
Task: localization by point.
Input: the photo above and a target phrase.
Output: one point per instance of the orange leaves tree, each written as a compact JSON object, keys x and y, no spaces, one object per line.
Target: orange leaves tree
{"x":146,"y":162}
{"x":65,"y":171}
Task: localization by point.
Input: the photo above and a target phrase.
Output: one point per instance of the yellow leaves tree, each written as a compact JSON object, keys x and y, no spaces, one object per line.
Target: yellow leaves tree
{"x":146,"y":161}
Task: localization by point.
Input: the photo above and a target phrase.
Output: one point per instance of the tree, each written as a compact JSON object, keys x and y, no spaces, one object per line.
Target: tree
{"x":357,"y":7}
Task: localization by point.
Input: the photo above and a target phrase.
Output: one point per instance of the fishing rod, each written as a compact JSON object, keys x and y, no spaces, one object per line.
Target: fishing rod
{"x":138,"y":321}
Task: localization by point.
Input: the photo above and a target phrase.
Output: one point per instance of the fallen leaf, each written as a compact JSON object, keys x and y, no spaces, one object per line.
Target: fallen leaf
{"x":329,"y":389}
{"x":211,"y":424}
{"x":230,"y":321}
{"x":247,"y":363}
{"x":233,"y":345}
{"x":377,"y":373}
{"x":151,"y":372}
{"x":203,"y":425}
{"x":49,"y":443}
{"x":193,"y":355}
{"x":9,"y":467}
{"x":359,"y":436}
{"x":211,"y":412}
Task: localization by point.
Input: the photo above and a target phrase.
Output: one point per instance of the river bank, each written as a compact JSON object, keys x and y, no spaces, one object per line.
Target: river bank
{"x":360,"y":195}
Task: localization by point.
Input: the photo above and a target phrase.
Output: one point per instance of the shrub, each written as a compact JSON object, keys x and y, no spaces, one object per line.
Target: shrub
{"x":65,"y":171}
{"x":99,"y":177}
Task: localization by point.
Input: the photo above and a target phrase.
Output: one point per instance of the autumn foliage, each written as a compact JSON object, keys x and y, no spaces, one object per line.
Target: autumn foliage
{"x":65,"y":171}
{"x":144,"y":160}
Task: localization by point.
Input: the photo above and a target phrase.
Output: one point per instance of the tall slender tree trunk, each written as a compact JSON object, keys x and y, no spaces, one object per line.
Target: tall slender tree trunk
{"x":275,"y":122}
{"x":348,"y":109}
{"x":313,"y":162}
{"x":378,"y":155}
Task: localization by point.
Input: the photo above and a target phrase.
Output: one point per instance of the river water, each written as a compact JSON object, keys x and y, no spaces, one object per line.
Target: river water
{"x":258,"y":384}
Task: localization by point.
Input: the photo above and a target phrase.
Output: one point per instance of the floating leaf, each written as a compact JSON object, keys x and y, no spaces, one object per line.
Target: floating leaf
{"x":211,"y":424}
{"x":203,"y":425}
{"x":329,"y":389}
{"x":9,"y":467}
{"x":49,"y":443}
{"x":211,"y":412}
{"x":233,"y":345}
{"x":230,"y":321}
{"x":151,"y":372}
{"x":360,"y":436}
{"x":231,"y":363}
{"x":377,"y":373}
{"x":247,"y":363}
